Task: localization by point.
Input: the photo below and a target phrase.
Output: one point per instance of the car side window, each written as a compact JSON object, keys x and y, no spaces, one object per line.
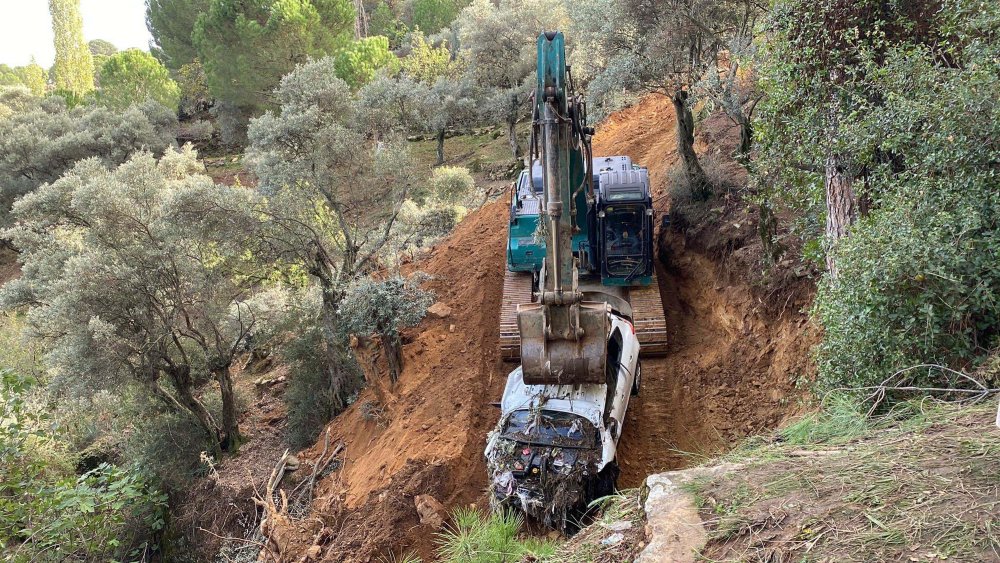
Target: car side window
{"x":613,"y":366}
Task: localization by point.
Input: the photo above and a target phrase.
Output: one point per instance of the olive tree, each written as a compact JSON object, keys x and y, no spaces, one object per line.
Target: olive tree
{"x":335,"y":193}
{"x":130,"y":274}
{"x":446,"y":103}
{"x":498,"y":41}
{"x":383,"y":308}
{"x":663,"y":46}
{"x":45,"y":139}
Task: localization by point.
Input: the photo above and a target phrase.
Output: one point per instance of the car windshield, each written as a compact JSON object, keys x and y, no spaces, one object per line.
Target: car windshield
{"x":550,"y":428}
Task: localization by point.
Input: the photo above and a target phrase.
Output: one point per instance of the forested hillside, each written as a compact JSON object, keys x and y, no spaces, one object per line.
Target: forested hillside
{"x":252,"y":277}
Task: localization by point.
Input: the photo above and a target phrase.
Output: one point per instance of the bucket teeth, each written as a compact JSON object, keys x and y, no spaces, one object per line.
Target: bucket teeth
{"x":647,"y":316}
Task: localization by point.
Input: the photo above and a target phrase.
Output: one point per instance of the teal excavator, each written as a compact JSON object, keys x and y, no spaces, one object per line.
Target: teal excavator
{"x":580,"y":242}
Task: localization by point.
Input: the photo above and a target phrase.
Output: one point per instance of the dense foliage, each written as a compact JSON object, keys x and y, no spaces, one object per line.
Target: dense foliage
{"x":47,"y":513}
{"x":247,"y":47}
{"x":919,"y":275}
{"x":42,"y":139}
{"x":32,"y":77}
{"x":171,"y":23}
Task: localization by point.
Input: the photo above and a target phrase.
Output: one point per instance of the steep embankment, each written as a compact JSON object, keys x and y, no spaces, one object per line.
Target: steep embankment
{"x":428,"y":437}
{"x":733,"y":362}
{"x":730,"y":370}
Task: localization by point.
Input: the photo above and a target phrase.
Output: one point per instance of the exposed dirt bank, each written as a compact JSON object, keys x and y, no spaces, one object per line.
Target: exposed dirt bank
{"x":730,"y":370}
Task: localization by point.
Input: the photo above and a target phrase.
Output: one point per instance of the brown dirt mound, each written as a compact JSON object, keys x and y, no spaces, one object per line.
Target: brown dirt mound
{"x":731,"y":370}
{"x":429,"y":436}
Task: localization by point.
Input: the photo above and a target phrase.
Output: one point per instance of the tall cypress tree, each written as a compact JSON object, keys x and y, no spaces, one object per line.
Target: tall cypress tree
{"x":74,"y":66}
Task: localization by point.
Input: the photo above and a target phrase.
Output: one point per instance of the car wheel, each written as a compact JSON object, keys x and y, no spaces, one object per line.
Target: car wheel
{"x":608,"y":480}
{"x":638,"y":379}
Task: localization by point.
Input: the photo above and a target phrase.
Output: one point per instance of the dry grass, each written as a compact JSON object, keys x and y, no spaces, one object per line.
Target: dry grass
{"x":918,"y":490}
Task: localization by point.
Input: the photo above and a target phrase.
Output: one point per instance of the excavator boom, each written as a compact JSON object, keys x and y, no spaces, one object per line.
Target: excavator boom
{"x":563,"y":337}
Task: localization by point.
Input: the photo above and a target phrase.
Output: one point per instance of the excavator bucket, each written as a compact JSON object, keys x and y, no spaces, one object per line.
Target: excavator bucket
{"x":548,"y":359}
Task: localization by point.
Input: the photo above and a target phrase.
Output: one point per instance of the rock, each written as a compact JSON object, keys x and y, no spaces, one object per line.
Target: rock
{"x":292,"y":463}
{"x":439,"y":310}
{"x":673,"y":526}
{"x":431,"y":511}
{"x":313,"y":553}
{"x":451,"y":328}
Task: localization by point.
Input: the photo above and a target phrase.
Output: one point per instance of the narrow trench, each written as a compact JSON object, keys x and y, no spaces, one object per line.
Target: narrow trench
{"x":725,"y":375}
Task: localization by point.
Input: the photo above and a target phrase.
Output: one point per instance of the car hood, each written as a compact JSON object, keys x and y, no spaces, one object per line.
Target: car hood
{"x":583,"y":400}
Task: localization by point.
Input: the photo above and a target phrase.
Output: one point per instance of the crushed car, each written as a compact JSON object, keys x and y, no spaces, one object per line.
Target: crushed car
{"x":553,"y":449}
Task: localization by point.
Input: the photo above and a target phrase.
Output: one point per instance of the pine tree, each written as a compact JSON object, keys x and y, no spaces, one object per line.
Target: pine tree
{"x":74,"y":66}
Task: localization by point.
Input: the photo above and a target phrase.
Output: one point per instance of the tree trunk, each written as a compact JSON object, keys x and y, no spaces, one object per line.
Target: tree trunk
{"x":767,"y":228}
{"x":515,"y":147}
{"x":841,"y":202}
{"x":393,"y":349}
{"x":440,"y":147}
{"x":841,"y":206}
{"x":181,"y":377}
{"x":693,"y":172}
{"x":339,"y":388}
{"x":746,"y":140}
{"x":230,"y":439}
{"x":360,"y":20}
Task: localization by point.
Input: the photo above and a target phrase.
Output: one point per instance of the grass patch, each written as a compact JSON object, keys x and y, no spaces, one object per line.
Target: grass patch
{"x":918,"y":484}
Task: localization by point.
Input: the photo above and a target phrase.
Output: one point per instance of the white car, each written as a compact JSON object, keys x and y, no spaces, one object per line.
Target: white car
{"x":553,"y":450}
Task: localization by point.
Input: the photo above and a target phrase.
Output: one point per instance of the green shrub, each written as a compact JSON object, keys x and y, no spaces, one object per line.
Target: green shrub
{"x":310,"y":401}
{"x":918,"y":283}
{"x":451,"y":184}
{"x":48,"y":513}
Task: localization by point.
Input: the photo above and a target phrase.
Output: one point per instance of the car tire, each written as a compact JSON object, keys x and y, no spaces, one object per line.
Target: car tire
{"x":607,"y":480}
{"x":637,"y":382}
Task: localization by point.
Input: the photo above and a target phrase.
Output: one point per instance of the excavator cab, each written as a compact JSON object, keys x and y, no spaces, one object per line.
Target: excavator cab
{"x":624,"y":223}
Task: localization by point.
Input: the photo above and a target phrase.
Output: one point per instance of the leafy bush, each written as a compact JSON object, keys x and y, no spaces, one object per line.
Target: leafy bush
{"x":451,"y":184}
{"x":493,"y":538}
{"x":48,"y":513}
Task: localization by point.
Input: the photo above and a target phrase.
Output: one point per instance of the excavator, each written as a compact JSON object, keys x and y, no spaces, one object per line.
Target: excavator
{"x":580,"y":242}
{"x":580,"y":305}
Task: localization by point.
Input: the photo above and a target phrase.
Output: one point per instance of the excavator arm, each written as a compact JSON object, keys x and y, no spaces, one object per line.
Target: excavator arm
{"x":563,"y":337}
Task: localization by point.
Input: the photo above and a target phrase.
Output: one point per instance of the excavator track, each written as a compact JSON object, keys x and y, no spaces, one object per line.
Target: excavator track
{"x":648,"y":319}
{"x":647,"y":316}
{"x":516,"y":290}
